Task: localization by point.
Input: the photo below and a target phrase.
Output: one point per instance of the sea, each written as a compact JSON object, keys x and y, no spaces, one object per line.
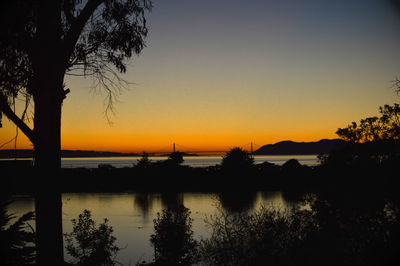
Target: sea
{"x":193,"y":161}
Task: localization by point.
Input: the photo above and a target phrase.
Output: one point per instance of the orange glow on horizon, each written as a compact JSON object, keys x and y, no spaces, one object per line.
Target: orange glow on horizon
{"x":196,"y":143}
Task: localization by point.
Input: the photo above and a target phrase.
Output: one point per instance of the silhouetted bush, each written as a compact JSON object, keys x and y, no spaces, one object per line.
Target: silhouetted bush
{"x":17,"y":239}
{"x":91,"y":245}
{"x":319,"y":232}
{"x":173,"y":238}
{"x":259,"y":238}
{"x":237,"y":159}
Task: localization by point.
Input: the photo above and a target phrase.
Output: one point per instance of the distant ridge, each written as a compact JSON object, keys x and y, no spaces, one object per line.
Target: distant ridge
{"x":64,"y":153}
{"x":296,"y":148}
{"x":280,"y":148}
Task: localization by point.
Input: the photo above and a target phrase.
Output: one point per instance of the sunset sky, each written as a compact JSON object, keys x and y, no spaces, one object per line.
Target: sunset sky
{"x":221,"y":73}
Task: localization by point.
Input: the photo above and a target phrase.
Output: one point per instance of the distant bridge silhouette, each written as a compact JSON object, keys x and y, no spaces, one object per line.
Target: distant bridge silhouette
{"x":174,"y":147}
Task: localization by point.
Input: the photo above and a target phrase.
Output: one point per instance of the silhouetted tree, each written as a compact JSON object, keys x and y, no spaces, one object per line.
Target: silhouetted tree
{"x":372,"y":142}
{"x":41,"y":42}
{"x":91,"y":245}
{"x":17,"y":239}
{"x":237,"y":158}
{"x":385,"y":127}
{"x":173,"y":238}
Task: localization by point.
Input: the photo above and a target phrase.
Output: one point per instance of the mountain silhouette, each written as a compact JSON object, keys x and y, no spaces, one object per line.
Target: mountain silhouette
{"x":291,"y":148}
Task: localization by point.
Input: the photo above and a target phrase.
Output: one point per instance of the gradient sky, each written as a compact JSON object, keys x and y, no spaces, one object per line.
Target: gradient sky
{"x":216,"y":74}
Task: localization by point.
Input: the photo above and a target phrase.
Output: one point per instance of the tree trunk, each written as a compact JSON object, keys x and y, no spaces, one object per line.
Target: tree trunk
{"x":47,"y":83}
{"x":48,"y":205}
{"x":47,"y":128}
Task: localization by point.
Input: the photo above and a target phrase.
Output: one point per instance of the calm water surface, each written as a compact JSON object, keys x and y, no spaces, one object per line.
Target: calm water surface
{"x":194,"y":161}
{"x":131,"y":214}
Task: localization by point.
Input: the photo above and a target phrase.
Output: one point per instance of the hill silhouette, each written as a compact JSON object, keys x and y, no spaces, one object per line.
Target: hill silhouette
{"x":292,"y":148}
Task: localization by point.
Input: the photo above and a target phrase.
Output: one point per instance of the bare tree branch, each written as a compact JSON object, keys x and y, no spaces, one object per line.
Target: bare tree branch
{"x":6,"y":109}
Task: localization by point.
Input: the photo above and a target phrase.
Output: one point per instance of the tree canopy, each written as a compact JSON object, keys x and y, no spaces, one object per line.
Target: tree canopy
{"x":385,"y":127}
{"x":237,"y":158}
{"x":83,"y":38}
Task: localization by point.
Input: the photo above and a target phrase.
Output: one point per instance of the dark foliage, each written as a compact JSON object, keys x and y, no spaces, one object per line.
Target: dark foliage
{"x":385,"y":127}
{"x":17,"y":239}
{"x":237,"y":159}
{"x":173,"y":238}
{"x":92,"y":36}
{"x":91,"y":245}
{"x":324,"y":232}
{"x":237,"y":166}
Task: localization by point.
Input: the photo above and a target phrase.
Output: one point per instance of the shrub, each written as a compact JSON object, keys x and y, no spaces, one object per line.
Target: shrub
{"x":173,"y":238}
{"x":319,"y":232}
{"x":237,"y":159}
{"x":91,"y":245}
{"x":17,"y":240}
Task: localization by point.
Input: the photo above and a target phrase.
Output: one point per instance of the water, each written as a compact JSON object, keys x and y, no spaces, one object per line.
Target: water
{"x":131,"y":214}
{"x":194,"y":161}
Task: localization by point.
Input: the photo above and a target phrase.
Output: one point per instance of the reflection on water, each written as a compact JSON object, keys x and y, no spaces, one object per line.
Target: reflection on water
{"x":132,"y":214}
{"x":237,"y":201}
{"x":143,"y":202}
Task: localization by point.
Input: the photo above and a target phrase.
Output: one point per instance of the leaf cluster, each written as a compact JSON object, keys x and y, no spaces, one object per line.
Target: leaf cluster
{"x":259,"y":238}
{"x":320,"y":232}
{"x":173,"y":238}
{"x":384,"y":127}
{"x":17,"y":239}
{"x":16,"y":28}
{"x":89,"y":244}
{"x":237,"y":158}
{"x":94,"y":38}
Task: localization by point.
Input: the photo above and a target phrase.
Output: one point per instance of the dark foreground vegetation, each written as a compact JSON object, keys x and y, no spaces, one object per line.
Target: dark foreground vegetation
{"x":318,"y":229}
